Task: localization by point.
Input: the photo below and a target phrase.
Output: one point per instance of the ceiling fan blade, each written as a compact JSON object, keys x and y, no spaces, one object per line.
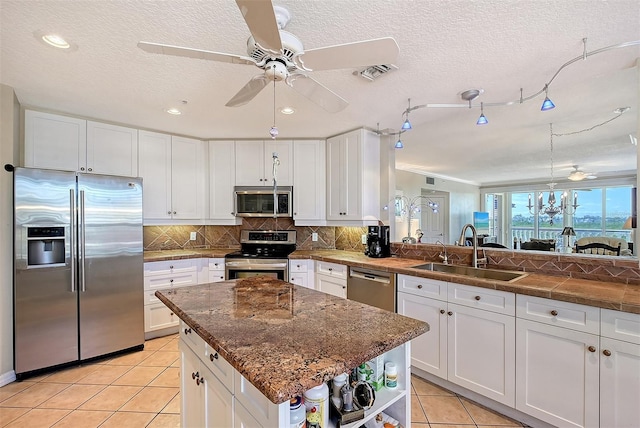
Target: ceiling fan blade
{"x":158,"y":48}
{"x":317,"y":93}
{"x":248,"y":91}
{"x":350,"y":55}
{"x":261,"y":20}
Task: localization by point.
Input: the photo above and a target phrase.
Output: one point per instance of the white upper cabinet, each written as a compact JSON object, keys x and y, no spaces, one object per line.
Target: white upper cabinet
{"x":353,"y":178}
{"x":67,"y":143}
{"x":222,"y":179}
{"x":309,"y":177}
{"x":254,"y":163}
{"x":173,"y":172}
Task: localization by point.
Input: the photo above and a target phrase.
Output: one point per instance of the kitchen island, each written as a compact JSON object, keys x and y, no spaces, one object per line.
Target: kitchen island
{"x":265,"y":341}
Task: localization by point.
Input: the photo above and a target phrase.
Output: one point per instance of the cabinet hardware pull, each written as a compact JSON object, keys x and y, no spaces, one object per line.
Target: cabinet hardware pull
{"x":171,"y":280}
{"x":213,"y":356}
{"x":169,"y":212}
{"x":195,"y":375}
{"x":419,"y":286}
{"x":592,"y":349}
{"x":174,"y":212}
{"x":442,"y":311}
{"x":200,"y":381}
{"x":81,"y":168}
{"x":170,"y":266}
{"x":449,"y":313}
{"x":187,"y":330}
{"x":477,"y":297}
{"x":607,"y":352}
{"x":554,"y":313}
{"x":90,"y":169}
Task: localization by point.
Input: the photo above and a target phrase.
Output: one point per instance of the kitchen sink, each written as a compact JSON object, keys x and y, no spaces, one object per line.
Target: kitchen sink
{"x":497,"y":275}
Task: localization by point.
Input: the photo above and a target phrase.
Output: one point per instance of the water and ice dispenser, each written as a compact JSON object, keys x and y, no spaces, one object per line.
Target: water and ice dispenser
{"x":45,"y":246}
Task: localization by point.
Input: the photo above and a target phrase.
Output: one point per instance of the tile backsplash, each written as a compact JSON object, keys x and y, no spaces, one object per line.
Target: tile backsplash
{"x":177,"y":237}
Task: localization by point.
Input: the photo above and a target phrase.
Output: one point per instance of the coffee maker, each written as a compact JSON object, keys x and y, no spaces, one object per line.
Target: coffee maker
{"x":378,"y":244}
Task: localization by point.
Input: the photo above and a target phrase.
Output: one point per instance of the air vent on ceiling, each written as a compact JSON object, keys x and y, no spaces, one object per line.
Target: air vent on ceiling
{"x":431,"y":180}
{"x":375,"y":71}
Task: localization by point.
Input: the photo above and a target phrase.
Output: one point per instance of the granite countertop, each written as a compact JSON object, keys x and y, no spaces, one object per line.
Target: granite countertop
{"x":603,"y":294}
{"x":286,"y":339}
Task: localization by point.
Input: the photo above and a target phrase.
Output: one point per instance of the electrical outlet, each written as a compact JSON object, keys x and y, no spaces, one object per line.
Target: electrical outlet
{"x":193,"y":236}
{"x":314,"y":237}
{"x":364,"y":238}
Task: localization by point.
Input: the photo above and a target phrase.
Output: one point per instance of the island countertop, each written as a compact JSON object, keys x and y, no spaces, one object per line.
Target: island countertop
{"x":286,"y":339}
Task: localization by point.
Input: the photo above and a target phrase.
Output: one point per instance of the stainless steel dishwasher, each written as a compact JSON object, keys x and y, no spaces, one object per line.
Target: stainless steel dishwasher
{"x":372,"y":287}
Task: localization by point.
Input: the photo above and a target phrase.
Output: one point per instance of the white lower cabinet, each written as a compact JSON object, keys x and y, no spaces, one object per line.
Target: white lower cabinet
{"x":470,"y":343}
{"x":331,"y":278}
{"x":216,"y":270}
{"x":301,"y":272}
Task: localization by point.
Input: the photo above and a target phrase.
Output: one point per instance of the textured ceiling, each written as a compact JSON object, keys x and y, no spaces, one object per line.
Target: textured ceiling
{"x":446,"y":47}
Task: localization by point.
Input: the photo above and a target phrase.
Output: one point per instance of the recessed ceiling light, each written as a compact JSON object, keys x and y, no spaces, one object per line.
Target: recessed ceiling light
{"x":56,"y":41}
{"x":287,"y":110}
{"x":174,"y":111}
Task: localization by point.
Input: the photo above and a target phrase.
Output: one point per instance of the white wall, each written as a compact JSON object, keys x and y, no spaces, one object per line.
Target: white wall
{"x":464,"y":198}
{"x":9,"y":154}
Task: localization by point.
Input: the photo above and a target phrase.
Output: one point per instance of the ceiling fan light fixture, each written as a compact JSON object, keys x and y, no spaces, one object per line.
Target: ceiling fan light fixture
{"x":547,"y":104}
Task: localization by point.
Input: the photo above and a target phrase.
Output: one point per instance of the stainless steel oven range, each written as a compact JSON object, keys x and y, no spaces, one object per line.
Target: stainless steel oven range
{"x":262,"y":252}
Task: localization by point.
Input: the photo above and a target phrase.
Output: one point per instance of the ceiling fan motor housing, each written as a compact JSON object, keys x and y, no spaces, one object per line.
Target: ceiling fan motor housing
{"x":276,"y":70}
{"x":291,"y":47}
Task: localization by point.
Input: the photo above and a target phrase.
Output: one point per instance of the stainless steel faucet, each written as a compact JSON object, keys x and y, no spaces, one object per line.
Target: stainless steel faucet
{"x":444,"y":258}
{"x":461,"y":242}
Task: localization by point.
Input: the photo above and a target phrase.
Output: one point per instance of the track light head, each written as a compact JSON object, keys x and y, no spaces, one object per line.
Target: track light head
{"x":399,"y":144}
{"x":482,"y":120}
{"x":406,"y":125}
{"x":547,"y":104}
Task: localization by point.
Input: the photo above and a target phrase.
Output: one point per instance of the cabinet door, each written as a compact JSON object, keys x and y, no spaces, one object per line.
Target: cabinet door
{"x":557,"y":374}
{"x":219,"y":402}
{"x":192,"y":409}
{"x":157,"y":316}
{"x":112,"y":149}
{"x":299,"y":279}
{"x":352,"y":169}
{"x":335,"y":178}
{"x":154,"y":166}
{"x":428,"y":351}
{"x":249,"y":163}
{"x":54,"y":142}
{"x":284,"y":171}
{"x":309,"y":192}
{"x":481,"y":352}
{"x":187,"y":178}
{"x":222,"y":179}
{"x":242,"y":418}
{"x":331,"y":285}
{"x":619,"y":383}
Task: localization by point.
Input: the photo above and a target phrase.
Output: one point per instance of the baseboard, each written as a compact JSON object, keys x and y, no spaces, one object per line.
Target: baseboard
{"x":482,"y":400}
{"x":7,"y":378}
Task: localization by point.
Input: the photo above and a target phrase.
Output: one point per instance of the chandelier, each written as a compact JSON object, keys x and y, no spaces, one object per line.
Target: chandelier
{"x":409,"y":208}
{"x":550,"y":209}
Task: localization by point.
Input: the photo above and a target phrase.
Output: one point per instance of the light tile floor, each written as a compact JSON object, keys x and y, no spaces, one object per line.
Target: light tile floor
{"x":142,"y":389}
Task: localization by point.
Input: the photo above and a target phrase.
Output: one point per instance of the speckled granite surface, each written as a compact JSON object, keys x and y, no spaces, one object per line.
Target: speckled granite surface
{"x":284,"y":338}
{"x":599,"y":292}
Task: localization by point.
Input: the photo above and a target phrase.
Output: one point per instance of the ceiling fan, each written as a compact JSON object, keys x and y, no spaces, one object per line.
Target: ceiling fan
{"x":281,"y":56}
{"x":578,"y":175}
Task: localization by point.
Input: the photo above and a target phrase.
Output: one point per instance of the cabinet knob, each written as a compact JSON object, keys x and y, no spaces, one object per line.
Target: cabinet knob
{"x":222,"y":277}
{"x":174,"y":212}
{"x":172,"y":314}
{"x":295,"y":213}
{"x":195,"y":375}
{"x":606,"y":352}
{"x":169,"y":212}
{"x":449,"y":313}
{"x":187,"y":330}
{"x":477,"y":297}
{"x":81,"y":168}
{"x":419,"y":286}
{"x":330,"y":269}
{"x":592,"y":348}
{"x":442,"y":311}
{"x":213,"y":356}
{"x":200,"y":381}
{"x":554,"y":313}
{"x":344,"y":287}
{"x":90,"y":169}
{"x":171,"y":267}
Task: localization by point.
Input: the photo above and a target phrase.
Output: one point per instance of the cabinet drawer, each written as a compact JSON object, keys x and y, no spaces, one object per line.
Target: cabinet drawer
{"x":563,"y":314}
{"x":157,"y":282}
{"x":620,"y":325}
{"x":425,"y":287}
{"x":219,"y":367}
{"x":192,"y":339}
{"x":333,"y":269}
{"x":216,"y":264}
{"x":487,"y":299}
{"x":170,"y":267}
{"x":157,"y":316}
{"x":216,"y":275}
{"x":298,"y":266}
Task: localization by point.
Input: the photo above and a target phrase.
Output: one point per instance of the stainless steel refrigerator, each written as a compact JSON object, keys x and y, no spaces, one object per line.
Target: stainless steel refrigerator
{"x":78,"y":287}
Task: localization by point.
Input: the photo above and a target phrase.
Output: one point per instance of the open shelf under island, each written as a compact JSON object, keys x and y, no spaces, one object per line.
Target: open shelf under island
{"x":250,"y":345}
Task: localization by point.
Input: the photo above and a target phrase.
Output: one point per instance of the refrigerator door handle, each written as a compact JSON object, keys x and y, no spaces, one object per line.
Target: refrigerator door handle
{"x":81,"y":244}
{"x":72,"y":238}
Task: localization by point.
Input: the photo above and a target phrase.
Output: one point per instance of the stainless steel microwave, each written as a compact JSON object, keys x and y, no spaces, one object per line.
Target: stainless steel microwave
{"x":260,"y":201}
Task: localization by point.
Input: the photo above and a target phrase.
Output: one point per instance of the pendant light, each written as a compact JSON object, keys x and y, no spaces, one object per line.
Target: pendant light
{"x":482,"y":120}
{"x":399,"y":144}
{"x":406,"y":126}
{"x":547,"y":104}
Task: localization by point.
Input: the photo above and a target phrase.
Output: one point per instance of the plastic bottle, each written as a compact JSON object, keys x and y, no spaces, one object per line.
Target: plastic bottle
{"x":337,"y":384}
{"x":298,"y":413}
{"x":316,"y":402}
{"x":390,"y":375}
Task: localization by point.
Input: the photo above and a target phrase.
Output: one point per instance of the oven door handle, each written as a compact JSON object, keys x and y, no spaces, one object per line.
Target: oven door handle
{"x":260,"y":266}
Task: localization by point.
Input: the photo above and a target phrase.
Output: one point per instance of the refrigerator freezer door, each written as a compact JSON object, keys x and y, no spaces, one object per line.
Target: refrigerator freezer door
{"x":46,"y":316}
{"x":110,"y":264}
